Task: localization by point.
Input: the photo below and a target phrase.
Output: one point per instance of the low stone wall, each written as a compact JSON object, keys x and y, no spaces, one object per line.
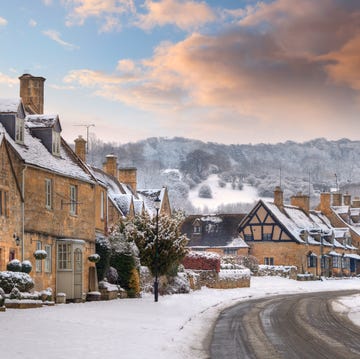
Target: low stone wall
{"x":279,"y":271}
{"x":225,"y":279}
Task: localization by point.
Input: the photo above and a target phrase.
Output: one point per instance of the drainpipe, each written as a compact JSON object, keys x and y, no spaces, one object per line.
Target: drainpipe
{"x":23,"y":214}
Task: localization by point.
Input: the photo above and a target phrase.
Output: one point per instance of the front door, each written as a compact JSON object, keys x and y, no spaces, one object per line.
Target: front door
{"x":69,"y":271}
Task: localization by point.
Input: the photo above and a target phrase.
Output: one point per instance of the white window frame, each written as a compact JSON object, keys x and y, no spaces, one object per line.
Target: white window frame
{"x":38,"y":264}
{"x":64,"y":257}
{"x":19,"y":130}
{"x":73,"y":200}
{"x":102,"y":197}
{"x":48,"y":259}
{"x":269,"y":261}
{"x":56,"y":143}
{"x":48,"y":193}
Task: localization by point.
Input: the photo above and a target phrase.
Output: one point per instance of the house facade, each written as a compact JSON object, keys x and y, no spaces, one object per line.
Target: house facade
{"x":216,"y":233}
{"x":280,"y":234}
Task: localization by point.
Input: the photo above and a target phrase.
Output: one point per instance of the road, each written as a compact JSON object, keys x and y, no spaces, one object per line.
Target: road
{"x":286,"y":327}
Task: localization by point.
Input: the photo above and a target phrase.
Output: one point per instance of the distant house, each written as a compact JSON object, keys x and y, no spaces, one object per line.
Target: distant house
{"x":280,"y":234}
{"x":215,"y":233}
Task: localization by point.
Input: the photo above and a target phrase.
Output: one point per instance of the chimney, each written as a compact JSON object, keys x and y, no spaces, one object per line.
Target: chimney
{"x":128,"y":175}
{"x":337,"y":199}
{"x":302,"y":201}
{"x":110,"y":165}
{"x":324,"y":206}
{"x":80,"y":148}
{"x":278,"y":197}
{"x":347,"y":199}
{"x":356,"y":202}
{"x":32,"y":93}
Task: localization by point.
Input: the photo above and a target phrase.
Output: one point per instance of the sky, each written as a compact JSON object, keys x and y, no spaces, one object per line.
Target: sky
{"x":226,"y":71}
{"x":177,"y":326}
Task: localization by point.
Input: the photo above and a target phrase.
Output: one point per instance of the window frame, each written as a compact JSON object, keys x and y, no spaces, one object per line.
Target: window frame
{"x":269,"y":261}
{"x":48,"y":259}
{"x":64,"y":257}
{"x":19,"y":130}
{"x":56,"y":143}
{"x":102,"y":206}
{"x":38,"y":262}
{"x":48,"y":193}
{"x":73,"y":199}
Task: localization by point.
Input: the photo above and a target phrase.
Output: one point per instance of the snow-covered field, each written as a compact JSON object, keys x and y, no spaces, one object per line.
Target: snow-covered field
{"x":176,"y":327}
{"x":225,"y":195}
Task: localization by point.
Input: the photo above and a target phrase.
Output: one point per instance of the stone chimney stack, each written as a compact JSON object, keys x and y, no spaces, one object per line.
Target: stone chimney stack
{"x":347,"y":199}
{"x":110,"y":165}
{"x":32,"y":93}
{"x":356,"y":202}
{"x":325,"y":200}
{"x":80,"y":148}
{"x":302,"y":201}
{"x":278,"y":197}
{"x":337,"y":199}
{"x":128,"y":175}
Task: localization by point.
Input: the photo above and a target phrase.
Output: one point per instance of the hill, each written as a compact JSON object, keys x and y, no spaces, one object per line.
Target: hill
{"x":184,"y":164}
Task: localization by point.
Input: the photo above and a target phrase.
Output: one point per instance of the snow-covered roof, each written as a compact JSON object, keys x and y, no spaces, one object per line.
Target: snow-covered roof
{"x":9,"y":104}
{"x":296,"y":221}
{"x":123,"y":201}
{"x":34,"y":153}
{"x":149,"y":196}
{"x":32,"y":121}
{"x":237,"y":243}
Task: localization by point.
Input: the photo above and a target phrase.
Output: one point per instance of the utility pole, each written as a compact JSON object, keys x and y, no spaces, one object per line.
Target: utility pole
{"x":87,"y":134}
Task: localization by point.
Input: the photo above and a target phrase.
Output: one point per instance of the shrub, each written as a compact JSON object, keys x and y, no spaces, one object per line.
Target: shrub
{"x":9,"y":280}
{"x":205,"y":191}
{"x":124,"y":264}
{"x":40,"y":254}
{"x":14,"y":266}
{"x":26,"y":267}
{"x":103,"y":250}
{"x":112,"y":275}
{"x":202,"y":261}
{"x":94,"y":258}
{"x":15,"y":293}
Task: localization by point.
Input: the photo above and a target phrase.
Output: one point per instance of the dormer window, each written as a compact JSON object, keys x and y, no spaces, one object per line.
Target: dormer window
{"x":196,"y":227}
{"x":55,"y":143}
{"x":19,"y":130}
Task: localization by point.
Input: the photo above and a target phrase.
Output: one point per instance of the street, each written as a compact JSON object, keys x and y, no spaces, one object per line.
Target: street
{"x":289,"y":327}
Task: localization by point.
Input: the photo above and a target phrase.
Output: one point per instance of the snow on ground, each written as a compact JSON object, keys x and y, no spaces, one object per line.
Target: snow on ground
{"x":176,"y":327}
{"x":225,"y":195}
{"x":349,"y":305}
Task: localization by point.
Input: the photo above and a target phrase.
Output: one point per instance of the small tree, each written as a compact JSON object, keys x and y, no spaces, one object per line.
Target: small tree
{"x":205,"y":191}
{"x":170,"y":243}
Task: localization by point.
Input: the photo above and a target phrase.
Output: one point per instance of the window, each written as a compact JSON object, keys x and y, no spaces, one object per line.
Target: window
{"x":38,"y":264}
{"x":73,"y":200}
{"x":47,"y":260}
{"x":3,"y":203}
{"x":269,"y":261}
{"x":48,"y":193}
{"x":197,"y":229}
{"x":102,"y":205}
{"x":230,"y":251}
{"x":19,"y":130}
{"x":311,"y":260}
{"x":64,"y":256}
{"x":56,"y":143}
{"x":12,"y":254}
{"x":267,"y":237}
{"x":336,"y":261}
{"x":248,"y":237}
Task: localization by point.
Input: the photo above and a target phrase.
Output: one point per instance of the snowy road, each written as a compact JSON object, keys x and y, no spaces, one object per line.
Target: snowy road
{"x":286,"y":327}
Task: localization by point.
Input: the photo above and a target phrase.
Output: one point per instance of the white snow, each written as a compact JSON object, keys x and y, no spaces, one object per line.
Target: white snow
{"x":225,"y":195}
{"x":176,"y":327}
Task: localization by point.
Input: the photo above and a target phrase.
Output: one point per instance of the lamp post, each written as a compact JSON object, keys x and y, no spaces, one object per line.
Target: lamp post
{"x":157,"y":203}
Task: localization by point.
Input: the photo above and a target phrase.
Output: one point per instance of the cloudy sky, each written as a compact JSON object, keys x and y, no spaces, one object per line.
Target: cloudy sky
{"x":229,"y":71}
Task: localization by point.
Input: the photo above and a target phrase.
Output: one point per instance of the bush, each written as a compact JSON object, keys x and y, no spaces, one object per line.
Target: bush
{"x":124,"y":264}
{"x":26,"y":267}
{"x":14,"y":266}
{"x":205,"y":191}
{"x":112,"y":275}
{"x":9,"y":280}
{"x":94,"y":258}
{"x":103,"y":250}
